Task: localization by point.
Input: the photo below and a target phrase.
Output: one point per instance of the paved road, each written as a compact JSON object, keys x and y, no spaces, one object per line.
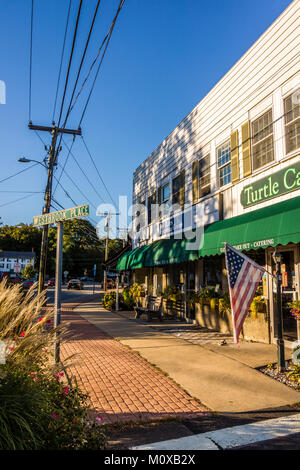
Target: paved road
{"x":69,"y":296}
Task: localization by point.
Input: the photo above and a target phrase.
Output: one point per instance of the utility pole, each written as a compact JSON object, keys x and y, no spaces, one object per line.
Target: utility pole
{"x":52,"y":161}
{"x":107,"y":225}
{"x":106,"y":251}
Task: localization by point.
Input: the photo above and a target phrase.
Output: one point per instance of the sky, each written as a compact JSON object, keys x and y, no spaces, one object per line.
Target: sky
{"x":163,"y":58}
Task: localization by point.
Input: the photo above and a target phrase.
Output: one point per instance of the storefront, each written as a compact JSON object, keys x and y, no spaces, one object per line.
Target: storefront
{"x":257,"y":233}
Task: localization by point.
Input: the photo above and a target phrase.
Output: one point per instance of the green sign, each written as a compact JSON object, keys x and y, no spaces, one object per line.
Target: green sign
{"x":277,"y":184}
{"x":61,"y":216}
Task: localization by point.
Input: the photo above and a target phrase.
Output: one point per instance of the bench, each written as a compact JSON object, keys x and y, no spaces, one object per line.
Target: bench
{"x":175,"y":309}
{"x":153,"y":309}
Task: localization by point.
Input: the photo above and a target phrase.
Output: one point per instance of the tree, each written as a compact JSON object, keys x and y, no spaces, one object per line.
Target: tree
{"x":82,"y":248}
{"x":28,"y":272}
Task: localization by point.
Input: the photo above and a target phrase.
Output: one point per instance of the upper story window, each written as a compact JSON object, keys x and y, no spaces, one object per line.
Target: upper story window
{"x":140,"y":215}
{"x":262,"y":140}
{"x":292,"y":121}
{"x":204,"y":175}
{"x":151,"y":207}
{"x":164,"y":199}
{"x":224,"y":163}
{"x":178,"y":189}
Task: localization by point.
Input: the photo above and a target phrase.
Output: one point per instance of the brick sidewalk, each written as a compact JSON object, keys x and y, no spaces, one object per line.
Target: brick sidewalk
{"x":122,"y":385}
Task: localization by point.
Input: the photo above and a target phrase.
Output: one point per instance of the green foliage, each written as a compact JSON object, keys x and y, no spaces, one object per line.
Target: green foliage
{"x":128,"y":300}
{"x":258,"y":304}
{"x":137,"y":290}
{"x":28,"y":272}
{"x":81,"y":246}
{"x":44,"y":411}
{"x":295,"y":374}
{"x":224,"y":304}
{"x":206,"y":294}
{"x":109,"y":301}
{"x":172,"y":293}
{"x":41,"y":406}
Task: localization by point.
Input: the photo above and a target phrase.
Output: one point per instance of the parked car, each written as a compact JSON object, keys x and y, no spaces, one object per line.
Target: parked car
{"x":75,"y":284}
{"x":28,"y":283}
{"x":51,"y":282}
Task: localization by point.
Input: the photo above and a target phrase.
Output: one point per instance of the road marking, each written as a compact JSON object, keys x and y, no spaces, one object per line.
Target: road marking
{"x":229,"y":438}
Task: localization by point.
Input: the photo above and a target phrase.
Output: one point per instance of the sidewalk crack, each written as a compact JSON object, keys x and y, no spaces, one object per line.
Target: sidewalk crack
{"x":214,"y":442}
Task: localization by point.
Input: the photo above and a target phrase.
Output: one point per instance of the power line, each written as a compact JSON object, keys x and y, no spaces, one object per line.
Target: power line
{"x":83,"y":172}
{"x":82,"y":60}
{"x":61,"y":60}
{"x":70,"y":62}
{"x":100,"y":177}
{"x":18,"y":173}
{"x":23,"y":192}
{"x":30,"y":60}
{"x":16,"y":200}
{"x":106,"y":46}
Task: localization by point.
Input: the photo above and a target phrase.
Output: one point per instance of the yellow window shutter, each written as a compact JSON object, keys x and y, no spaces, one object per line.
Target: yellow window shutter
{"x":195,"y":181}
{"x":159,"y":201}
{"x":182,"y":189}
{"x":235,"y":167}
{"x":246,"y":149}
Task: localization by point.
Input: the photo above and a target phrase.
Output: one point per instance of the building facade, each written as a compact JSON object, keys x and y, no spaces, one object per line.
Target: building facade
{"x":8,"y":260}
{"x":232,"y":170}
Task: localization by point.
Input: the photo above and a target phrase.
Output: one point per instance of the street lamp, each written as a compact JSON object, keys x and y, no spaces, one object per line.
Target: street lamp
{"x":27,"y":160}
{"x":280,"y":343}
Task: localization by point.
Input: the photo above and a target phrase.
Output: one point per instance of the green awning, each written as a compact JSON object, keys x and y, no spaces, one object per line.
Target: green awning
{"x":161,"y":252}
{"x":278,"y":224}
{"x":169,"y":251}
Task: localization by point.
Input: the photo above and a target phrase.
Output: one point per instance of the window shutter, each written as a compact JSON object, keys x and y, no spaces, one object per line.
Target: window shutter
{"x":195,"y":179}
{"x":159,"y":196}
{"x":246,"y":149}
{"x":154,"y":203}
{"x":235,"y":167}
{"x":182,"y":190}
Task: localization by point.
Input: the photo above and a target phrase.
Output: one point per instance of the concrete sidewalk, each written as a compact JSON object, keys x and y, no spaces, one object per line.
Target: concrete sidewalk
{"x":223,"y":378}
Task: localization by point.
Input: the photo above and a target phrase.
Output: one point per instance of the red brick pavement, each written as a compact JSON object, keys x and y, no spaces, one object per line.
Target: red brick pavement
{"x":121,"y":384}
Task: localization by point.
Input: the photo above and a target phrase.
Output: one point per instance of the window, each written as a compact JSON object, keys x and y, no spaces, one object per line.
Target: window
{"x":262,"y":140}
{"x":178,"y":189}
{"x":292,"y":121}
{"x":163,"y":200}
{"x":204,"y":175}
{"x":151,"y":207}
{"x":1,"y":265}
{"x":224,"y":163}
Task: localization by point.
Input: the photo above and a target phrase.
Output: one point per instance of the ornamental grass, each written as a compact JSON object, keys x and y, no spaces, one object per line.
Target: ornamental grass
{"x":42,"y":406}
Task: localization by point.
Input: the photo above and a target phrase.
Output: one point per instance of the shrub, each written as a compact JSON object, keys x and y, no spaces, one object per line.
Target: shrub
{"x":28,"y":272}
{"x":109,"y":300}
{"x":224,"y":304}
{"x":41,"y":405}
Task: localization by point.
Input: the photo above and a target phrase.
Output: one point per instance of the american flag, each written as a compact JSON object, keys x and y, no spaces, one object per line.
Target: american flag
{"x":244,"y":275}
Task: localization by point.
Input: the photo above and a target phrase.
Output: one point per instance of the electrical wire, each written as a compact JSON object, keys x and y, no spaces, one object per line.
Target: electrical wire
{"x":70,"y":62}
{"x":18,"y":173}
{"x":98,"y":173}
{"x":16,"y":200}
{"x":30,"y":60}
{"x":83,"y":172}
{"x":61,"y":60}
{"x":99,"y":66}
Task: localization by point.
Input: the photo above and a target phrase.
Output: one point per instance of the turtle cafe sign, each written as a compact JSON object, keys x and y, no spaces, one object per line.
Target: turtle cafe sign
{"x":277,"y":184}
{"x":52,"y":218}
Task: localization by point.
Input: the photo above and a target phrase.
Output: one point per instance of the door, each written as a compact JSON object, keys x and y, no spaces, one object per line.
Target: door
{"x":290,"y":292}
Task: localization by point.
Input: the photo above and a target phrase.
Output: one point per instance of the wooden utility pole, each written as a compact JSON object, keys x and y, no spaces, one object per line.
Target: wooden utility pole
{"x":52,"y":161}
{"x":106,"y":251}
